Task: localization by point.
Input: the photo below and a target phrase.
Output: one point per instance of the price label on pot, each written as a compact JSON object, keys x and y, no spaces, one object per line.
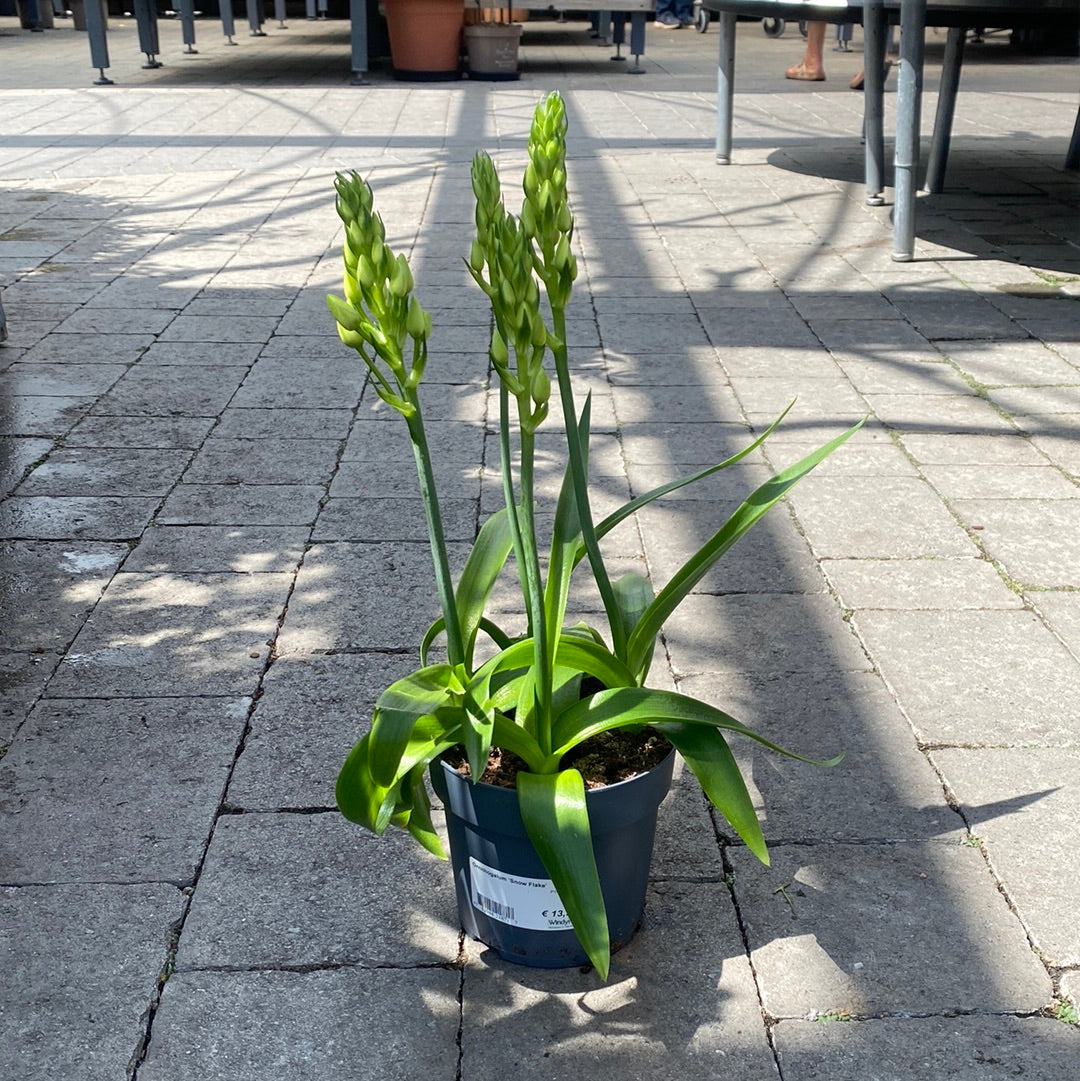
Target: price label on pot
{"x":521,"y":902}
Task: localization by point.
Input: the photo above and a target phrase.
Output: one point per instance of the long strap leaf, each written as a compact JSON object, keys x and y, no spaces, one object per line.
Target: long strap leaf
{"x":747,"y":514}
{"x":626,"y":707}
{"x":557,"y":822}
{"x":707,"y":754}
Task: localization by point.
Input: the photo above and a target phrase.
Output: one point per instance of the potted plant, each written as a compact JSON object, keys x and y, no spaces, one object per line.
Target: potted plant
{"x":425,"y":38}
{"x":530,"y":709}
{"x":491,"y":44}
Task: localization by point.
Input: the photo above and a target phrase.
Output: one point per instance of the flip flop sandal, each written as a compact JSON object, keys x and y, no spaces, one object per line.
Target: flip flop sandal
{"x":799,"y":73}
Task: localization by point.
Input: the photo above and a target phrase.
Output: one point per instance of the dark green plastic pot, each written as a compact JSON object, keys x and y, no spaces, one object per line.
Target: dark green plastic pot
{"x":505,"y":897}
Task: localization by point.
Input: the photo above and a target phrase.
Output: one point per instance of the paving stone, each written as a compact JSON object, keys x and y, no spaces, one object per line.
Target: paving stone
{"x":85,"y":471}
{"x":678,"y":404}
{"x":395,"y":479}
{"x":136,"y":432}
{"x":60,"y":380}
{"x":370,"y":596}
{"x":1062,"y":614}
{"x":47,"y":416}
{"x":1029,"y":537}
{"x":115,"y":791}
{"x":1015,"y":363}
{"x":882,"y":518}
{"x":118,"y":348}
{"x":346,"y":1024}
{"x":218,"y":549}
{"x":925,"y":1048}
{"x":282,"y":423}
{"x":954,"y":414}
{"x":393,"y":518}
{"x":833,"y":398}
{"x":898,"y":374}
{"x":176,"y":634}
{"x":110,"y":945}
{"x":82,"y":518}
{"x":241,"y":504}
{"x":180,"y":390}
{"x":1005,"y":449}
{"x":680,"y":1001}
{"x":300,"y":889}
{"x":882,"y":790}
{"x":948,"y":584}
{"x":976,"y":677}
{"x":773,"y":558}
{"x":916,"y":928}
{"x":967,"y":482}
{"x":1025,"y":826}
{"x":322,"y":704}
{"x":220,"y":329}
{"x":1041,"y":400}
{"x":765,"y":633}
{"x":322,"y":384}
{"x":17,"y":455}
{"x":169,"y":352}
{"x":258,"y":461}
{"x":22,"y":679}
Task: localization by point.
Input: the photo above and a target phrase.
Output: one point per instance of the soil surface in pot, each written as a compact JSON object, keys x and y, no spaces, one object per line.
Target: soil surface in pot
{"x":605,"y":759}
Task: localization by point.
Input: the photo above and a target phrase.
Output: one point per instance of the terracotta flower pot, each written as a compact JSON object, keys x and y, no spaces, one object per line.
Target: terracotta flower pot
{"x":425,"y":37}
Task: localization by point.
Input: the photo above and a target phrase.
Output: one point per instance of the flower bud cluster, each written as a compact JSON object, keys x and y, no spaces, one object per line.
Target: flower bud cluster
{"x":545,"y":213}
{"x":501,"y":262}
{"x":378,"y":315}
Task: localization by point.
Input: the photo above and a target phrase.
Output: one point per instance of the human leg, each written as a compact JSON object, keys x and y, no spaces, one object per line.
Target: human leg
{"x":812,"y":66}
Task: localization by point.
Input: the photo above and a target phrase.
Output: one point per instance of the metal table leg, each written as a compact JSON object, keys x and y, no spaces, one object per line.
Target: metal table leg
{"x":874,"y":105}
{"x":725,"y":86}
{"x":908,"y":106}
{"x":946,"y":110}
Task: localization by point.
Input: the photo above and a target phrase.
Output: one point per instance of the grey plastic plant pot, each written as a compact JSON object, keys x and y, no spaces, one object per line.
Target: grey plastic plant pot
{"x":505,"y":896}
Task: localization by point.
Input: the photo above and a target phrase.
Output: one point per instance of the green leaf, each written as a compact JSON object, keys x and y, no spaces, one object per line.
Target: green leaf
{"x":486,"y":559}
{"x":420,"y":824}
{"x":627,"y":707}
{"x":633,"y":595}
{"x":557,"y":822}
{"x":399,"y":707}
{"x":707,"y":754}
{"x":358,"y":796}
{"x":363,"y":800}
{"x":624,"y":512}
{"x":747,"y":514}
{"x":566,"y":534}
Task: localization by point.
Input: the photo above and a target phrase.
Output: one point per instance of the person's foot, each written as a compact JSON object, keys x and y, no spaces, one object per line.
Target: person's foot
{"x":686,"y":20}
{"x":803,"y":74}
{"x":858,"y":80}
{"x":667,"y":21}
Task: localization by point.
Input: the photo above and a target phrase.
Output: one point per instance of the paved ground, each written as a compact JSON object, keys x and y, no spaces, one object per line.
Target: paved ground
{"x":212,"y":560}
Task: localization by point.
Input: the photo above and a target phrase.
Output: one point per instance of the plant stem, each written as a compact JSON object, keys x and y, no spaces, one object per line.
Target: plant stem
{"x":455,"y":647}
{"x":537,"y":619}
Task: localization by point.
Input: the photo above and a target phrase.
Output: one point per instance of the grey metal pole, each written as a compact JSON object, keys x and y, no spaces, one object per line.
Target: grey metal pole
{"x":187,"y":24}
{"x":941,"y":139}
{"x":874,"y":105}
{"x":99,"y":49}
{"x":228,"y":23}
{"x":359,"y":40}
{"x":255,"y":18}
{"x":908,"y":106}
{"x":637,"y":40}
{"x":146,"y":21}
{"x":725,"y":87}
